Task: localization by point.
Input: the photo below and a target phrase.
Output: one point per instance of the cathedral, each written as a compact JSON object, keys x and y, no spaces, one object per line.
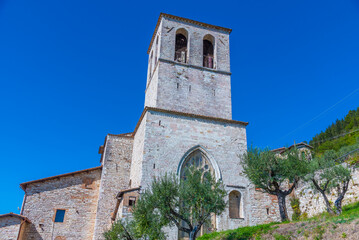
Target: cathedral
{"x":186,"y":121}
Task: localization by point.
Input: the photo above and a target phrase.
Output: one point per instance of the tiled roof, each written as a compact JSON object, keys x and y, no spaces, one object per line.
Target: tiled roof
{"x":283,"y":149}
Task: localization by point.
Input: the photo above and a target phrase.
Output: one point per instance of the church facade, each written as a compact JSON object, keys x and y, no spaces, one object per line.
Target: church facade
{"x":186,"y":121}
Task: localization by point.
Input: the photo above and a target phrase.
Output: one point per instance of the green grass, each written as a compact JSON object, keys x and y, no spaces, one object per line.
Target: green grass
{"x":350,"y":213}
{"x":242,"y":233}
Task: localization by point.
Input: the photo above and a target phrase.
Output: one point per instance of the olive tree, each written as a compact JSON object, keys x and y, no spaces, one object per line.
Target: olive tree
{"x":184,"y":203}
{"x":330,"y":174}
{"x":276,"y":174}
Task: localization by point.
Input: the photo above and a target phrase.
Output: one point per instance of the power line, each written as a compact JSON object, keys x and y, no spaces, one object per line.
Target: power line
{"x":320,"y":114}
{"x":345,"y":155}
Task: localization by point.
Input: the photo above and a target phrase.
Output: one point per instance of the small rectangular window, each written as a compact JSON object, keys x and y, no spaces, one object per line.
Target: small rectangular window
{"x":59,"y":215}
{"x":131,"y":201}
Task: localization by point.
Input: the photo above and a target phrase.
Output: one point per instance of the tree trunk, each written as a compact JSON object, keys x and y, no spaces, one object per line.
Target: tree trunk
{"x":327,"y":203}
{"x":282,"y":207}
{"x":341,"y":194}
{"x":322,"y":191}
{"x":193,"y":233}
{"x":338,"y":204}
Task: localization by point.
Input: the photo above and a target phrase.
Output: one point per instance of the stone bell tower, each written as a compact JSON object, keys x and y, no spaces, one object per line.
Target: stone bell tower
{"x":189,"y":68}
{"x":188,"y":112}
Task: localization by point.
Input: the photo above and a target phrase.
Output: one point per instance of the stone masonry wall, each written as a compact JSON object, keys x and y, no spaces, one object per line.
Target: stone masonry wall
{"x":190,"y":90}
{"x":77,"y":194}
{"x":155,"y":52}
{"x":115,"y":177}
{"x":264,"y":207}
{"x":312,"y":202}
{"x":152,"y":90}
{"x":137,"y":154}
{"x":9,"y":228}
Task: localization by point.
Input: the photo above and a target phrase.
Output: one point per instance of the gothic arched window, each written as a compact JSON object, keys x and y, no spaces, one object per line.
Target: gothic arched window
{"x":181,"y":46}
{"x":235,"y":204}
{"x":208,"y":51}
{"x":198,"y":160}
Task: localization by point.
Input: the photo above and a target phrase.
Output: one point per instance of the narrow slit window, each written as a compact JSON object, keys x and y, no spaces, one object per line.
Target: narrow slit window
{"x":59,"y":215}
{"x":150,"y":69}
{"x":156,"y":50}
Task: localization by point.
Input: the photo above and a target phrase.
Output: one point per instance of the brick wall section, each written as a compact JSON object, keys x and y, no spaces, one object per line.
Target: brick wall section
{"x":115,"y":177}
{"x":260,"y":203}
{"x":189,"y":87}
{"x":9,"y":228}
{"x":70,"y":193}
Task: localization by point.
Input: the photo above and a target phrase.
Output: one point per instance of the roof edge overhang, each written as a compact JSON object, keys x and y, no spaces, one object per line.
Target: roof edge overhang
{"x":23,"y":185}
{"x":216,"y":119}
{"x":283,"y":149}
{"x":120,"y":193}
{"x":15,"y":215}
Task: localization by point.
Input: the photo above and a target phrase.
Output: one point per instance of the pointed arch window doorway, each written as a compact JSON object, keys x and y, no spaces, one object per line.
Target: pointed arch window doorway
{"x":200,"y":161}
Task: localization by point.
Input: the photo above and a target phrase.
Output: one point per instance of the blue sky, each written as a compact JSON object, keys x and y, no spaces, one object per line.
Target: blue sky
{"x":73,"y":71}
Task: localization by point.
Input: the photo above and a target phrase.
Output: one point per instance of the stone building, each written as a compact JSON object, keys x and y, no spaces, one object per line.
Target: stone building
{"x":186,"y":121}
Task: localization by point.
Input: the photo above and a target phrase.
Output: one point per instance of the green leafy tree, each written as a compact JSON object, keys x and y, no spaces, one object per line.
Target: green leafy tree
{"x":121,"y":230}
{"x":187,"y":204}
{"x":275,"y":174}
{"x":329,"y":175}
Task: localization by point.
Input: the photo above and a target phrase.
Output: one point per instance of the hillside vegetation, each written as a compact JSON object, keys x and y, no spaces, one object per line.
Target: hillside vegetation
{"x":323,"y":226}
{"x":343,"y":132}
